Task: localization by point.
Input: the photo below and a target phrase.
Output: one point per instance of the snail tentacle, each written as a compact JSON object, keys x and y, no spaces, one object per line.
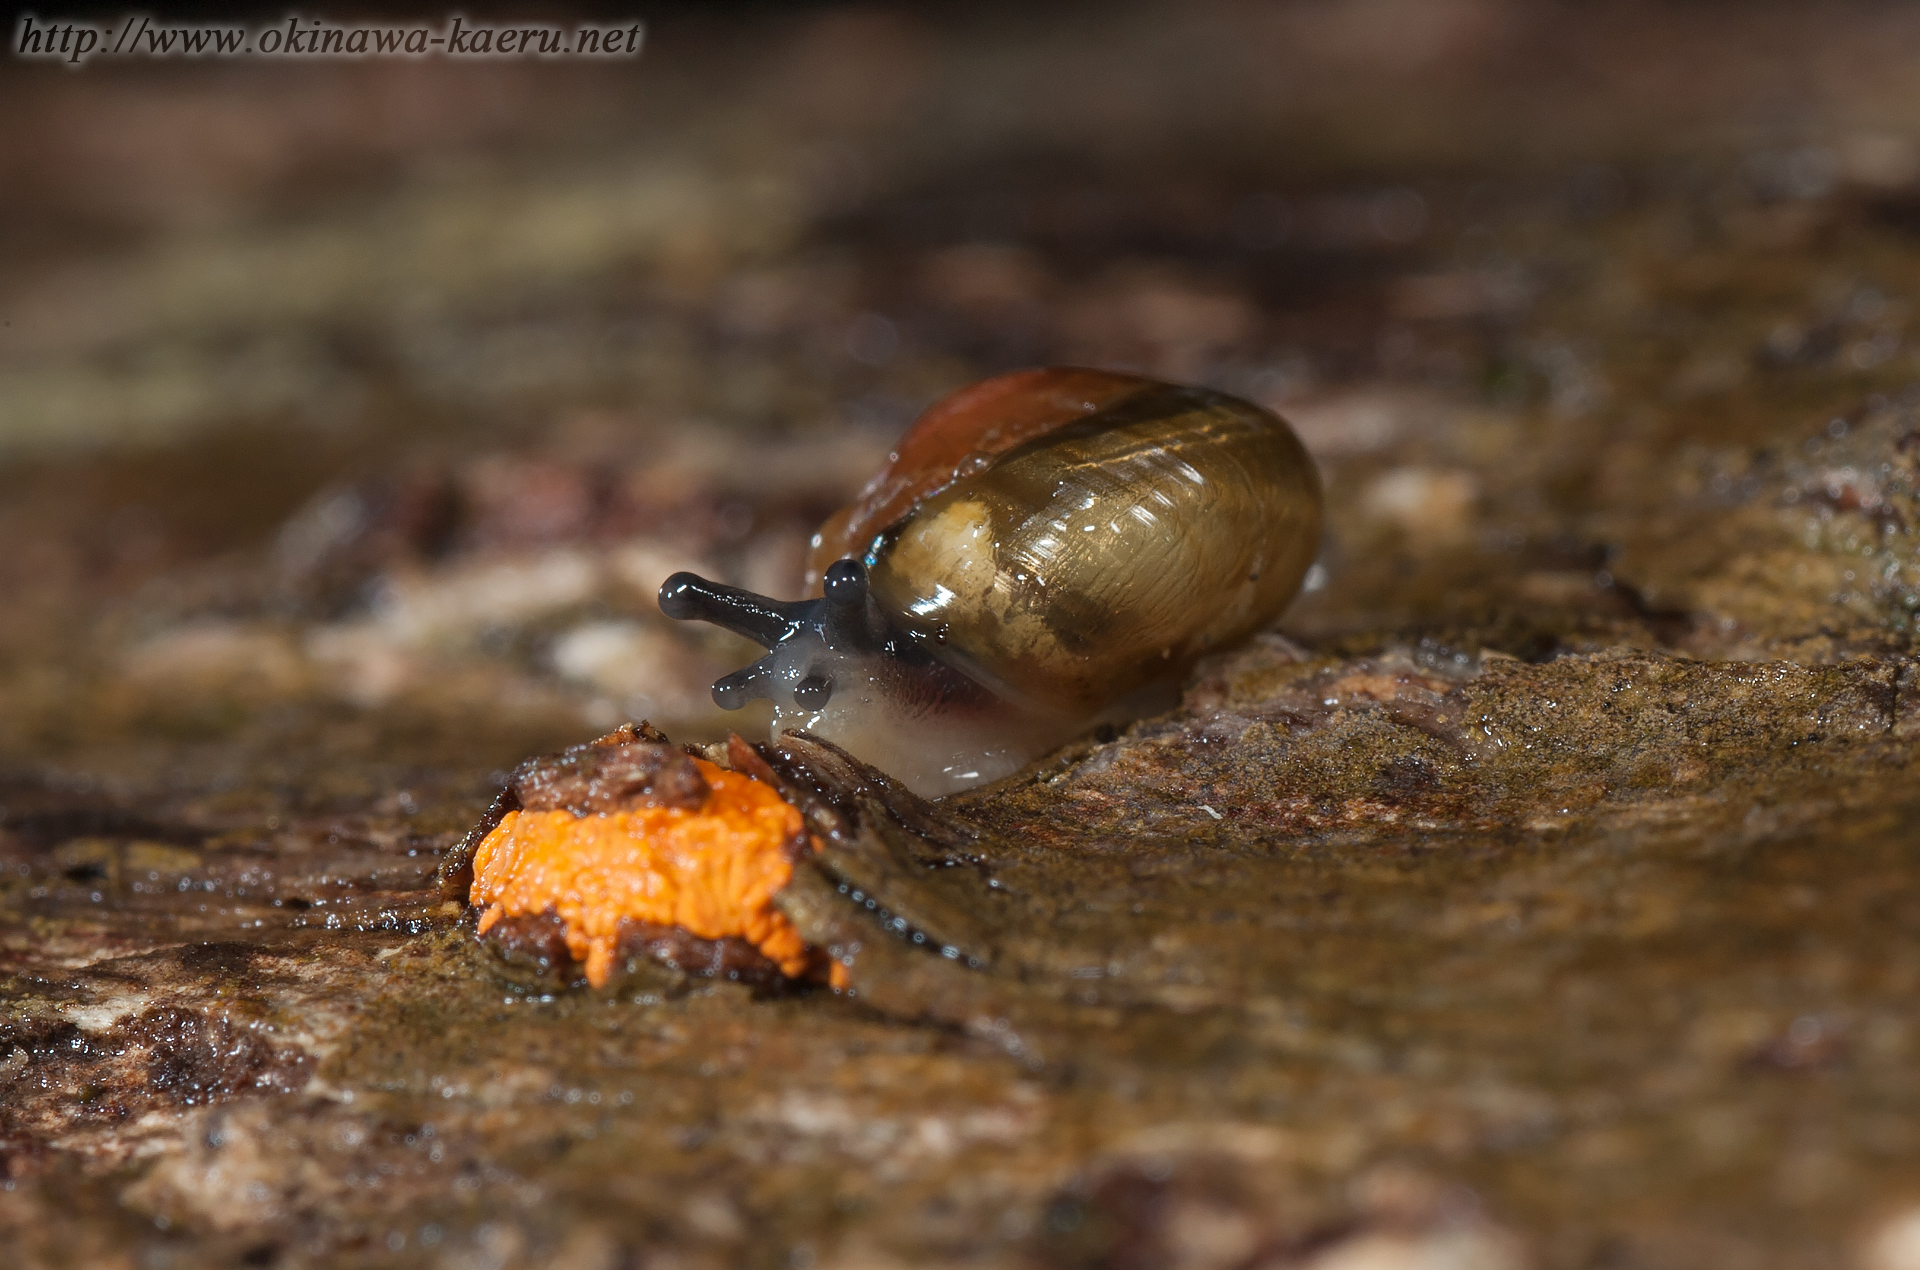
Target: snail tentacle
{"x":765,"y":621}
{"x":811,"y":644}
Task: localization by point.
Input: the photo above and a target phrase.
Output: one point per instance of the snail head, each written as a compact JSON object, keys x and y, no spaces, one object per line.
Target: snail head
{"x":813,"y":646}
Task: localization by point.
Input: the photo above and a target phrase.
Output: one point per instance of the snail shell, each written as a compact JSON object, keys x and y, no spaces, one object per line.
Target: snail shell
{"x":1038,"y":547}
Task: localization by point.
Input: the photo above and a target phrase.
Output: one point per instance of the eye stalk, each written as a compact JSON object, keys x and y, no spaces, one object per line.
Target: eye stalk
{"x":846,"y":583}
{"x":689,"y":597}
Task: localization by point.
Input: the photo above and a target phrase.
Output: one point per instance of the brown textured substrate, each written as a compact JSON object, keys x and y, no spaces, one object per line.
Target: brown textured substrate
{"x":539,"y":942}
{"x":1544,"y":891}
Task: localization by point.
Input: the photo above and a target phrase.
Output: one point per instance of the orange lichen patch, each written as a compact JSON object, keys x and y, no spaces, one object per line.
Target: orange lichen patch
{"x":712,"y":871}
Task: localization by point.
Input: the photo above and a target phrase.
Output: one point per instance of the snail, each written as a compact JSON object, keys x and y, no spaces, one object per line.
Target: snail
{"x":1038,"y":547}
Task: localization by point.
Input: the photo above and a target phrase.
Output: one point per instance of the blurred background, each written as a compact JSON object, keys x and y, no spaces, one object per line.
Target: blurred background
{"x":361,"y":406}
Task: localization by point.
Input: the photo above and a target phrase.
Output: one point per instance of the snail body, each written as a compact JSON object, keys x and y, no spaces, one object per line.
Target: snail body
{"x":1038,"y":547}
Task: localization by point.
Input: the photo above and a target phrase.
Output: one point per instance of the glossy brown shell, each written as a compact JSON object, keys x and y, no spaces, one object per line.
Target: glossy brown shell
{"x":952,"y":438}
{"x":1063,"y":536}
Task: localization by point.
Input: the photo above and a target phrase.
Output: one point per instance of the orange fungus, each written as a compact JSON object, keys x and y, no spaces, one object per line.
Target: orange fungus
{"x":712,"y":871}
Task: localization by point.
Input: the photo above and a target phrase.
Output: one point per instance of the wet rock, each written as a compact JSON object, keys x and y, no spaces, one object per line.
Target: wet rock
{"x":1813,"y":541}
{"x":609,"y":777}
{"x":1237,"y":1197}
{"x":58,"y":1074}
